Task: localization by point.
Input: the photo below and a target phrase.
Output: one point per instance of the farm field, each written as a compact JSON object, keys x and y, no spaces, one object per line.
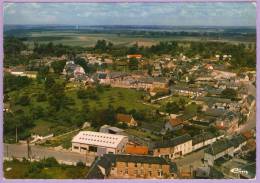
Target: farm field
{"x":74,"y":38}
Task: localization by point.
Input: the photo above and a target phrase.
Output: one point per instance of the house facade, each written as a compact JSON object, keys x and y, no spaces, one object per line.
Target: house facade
{"x":132,"y":167}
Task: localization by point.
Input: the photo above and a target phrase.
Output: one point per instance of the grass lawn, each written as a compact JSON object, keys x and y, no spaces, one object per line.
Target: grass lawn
{"x":171,"y":99}
{"x":63,"y":140}
{"x":20,"y":170}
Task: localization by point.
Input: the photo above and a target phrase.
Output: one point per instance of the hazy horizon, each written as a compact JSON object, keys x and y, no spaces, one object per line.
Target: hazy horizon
{"x":132,"y":14}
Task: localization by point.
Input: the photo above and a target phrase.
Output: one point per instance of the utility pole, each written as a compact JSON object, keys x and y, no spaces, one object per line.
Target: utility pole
{"x":16,"y":136}
{"x":7,"y":153}
{"x":28,"y":149}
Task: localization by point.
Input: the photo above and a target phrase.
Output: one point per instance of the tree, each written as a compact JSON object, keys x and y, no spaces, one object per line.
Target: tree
{"x":133,"y":64}
{"x":12,"y":82}
{"x":82,"y":62}
{"x":58,"y":66}
{"x":57,"y":98}
{"x":42,"y":73}
{"x":121,"y":109}
{"x":24,"y":100}
{"x":49,"y":83}
{"x":229,"y":93}
{"x":172,"y":107}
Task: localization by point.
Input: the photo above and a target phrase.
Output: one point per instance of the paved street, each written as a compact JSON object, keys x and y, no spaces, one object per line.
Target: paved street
{"x":39,"y":152}
{"x":193,"y":159}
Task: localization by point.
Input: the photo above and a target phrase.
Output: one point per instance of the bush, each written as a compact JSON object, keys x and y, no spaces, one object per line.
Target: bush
{"x":24,"y":100}
{"x":41,"y":97}
{"x":50,"y":162}
{"x":229,"y":93}
{"x":80,"y":164}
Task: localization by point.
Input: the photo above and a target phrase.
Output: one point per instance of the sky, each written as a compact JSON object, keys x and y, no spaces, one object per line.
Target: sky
{"x":174,"y":14}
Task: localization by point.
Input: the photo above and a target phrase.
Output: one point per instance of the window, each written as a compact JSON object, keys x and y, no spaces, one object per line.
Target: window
{"x":159,"y":173}
{"x":135,"y":164}
{"x":76,"y":147}
{"x":160,"y":166}
{"x":126,"y":171}
{"x":150,"y":173}
{"x":92,"y":148}
{"x":149,"y":165}
{"x":141,"y":172}
{"x":136,"y":172}
{"x":126,"y":164}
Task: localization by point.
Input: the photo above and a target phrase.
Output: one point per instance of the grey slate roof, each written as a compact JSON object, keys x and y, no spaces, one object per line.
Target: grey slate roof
{"x":202,"y":137}
{"x":173,"y":142}
{"x":237,"y":140}
{"x":136,"y":159}
{"x":218,"y":147}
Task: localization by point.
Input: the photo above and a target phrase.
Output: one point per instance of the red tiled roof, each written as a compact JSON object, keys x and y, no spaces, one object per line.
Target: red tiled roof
{"x":247,"y":135}
{"x":134,"y":56}
{"x":126,"y":118}
{"x":133,"y":149}
{"x":175,"y":121}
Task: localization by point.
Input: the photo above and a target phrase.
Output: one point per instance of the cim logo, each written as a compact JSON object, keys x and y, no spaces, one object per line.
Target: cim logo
{"x":239,"y":171}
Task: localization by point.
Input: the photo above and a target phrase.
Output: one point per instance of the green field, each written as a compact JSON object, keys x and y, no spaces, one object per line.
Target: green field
{"x":89,"y":39}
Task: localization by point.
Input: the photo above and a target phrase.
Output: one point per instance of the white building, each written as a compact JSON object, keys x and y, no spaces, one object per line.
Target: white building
{"x":98,"y":143}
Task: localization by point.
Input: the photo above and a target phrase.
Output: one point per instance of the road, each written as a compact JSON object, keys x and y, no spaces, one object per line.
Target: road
{"x":40,"y":152}
{"x":193,"y":159}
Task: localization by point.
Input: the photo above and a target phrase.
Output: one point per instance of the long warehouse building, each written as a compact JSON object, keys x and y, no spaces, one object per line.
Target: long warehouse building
{"x":88,"y":142}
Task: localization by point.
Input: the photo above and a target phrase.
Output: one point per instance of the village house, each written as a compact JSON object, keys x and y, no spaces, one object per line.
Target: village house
{"x":127,"y":119}
{"x":174,"y":148}
{"x":217,"y":150}
{"x":73,"y":70}
{"x":225,"y":120}
{"x":209,"y":67}
{"x":17,"y":71}
{"x":97,"y":143}
{"x":131,"y":167}
{"x":190,"y":92}
{"x":136,"y":56}
{"x":224,"y":147}
{"x":174,"y":124}
{"x":203,"y":120}
{"x":202,"y":140}
{"x":238,"y":141}
{"x":20,"y":71}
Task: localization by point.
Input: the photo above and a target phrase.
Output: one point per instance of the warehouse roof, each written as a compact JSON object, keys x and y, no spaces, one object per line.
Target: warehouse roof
{"x":98,"y":139}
